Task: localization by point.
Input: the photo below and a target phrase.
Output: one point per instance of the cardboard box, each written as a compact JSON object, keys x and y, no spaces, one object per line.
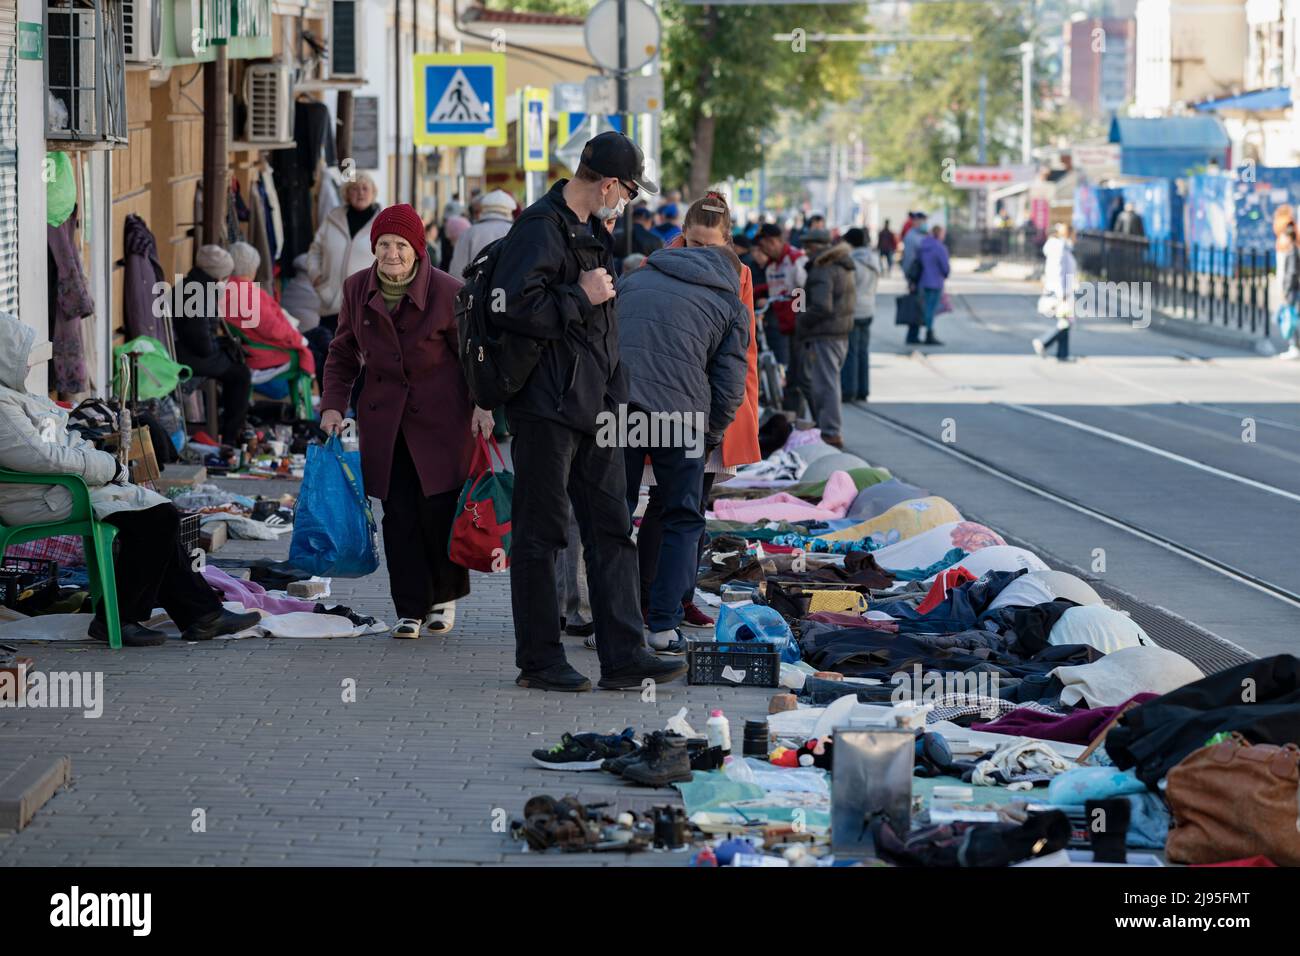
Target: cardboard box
{"x":141,"y":457}
{"x":184,"y":477}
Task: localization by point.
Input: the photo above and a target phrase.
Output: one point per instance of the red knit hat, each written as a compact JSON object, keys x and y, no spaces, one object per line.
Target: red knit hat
{"x":399,"y":220}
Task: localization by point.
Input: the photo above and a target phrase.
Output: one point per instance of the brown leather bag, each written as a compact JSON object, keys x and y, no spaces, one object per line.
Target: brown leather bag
{"x":1235,"y":799}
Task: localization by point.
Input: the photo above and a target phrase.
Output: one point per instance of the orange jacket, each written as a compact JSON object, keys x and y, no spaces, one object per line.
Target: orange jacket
{"x":740,"y":440}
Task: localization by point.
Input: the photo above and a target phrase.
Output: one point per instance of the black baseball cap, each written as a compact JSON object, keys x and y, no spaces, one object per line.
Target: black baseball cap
{"x":769,"y":230}
{"x":613,"y":154}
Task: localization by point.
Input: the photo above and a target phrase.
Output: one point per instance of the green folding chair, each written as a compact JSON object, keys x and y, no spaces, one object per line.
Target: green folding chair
{"x":299,"y":382}
{"x":96,"y":536}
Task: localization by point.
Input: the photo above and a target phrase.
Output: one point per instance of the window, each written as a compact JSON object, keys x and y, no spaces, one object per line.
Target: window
{"x":85,"y":72}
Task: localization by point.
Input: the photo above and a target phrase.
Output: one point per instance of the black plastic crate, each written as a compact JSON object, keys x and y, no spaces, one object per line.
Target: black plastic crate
{"x":758,"y":661}
{"x":189,"y":533}
{"x":28,"y":580}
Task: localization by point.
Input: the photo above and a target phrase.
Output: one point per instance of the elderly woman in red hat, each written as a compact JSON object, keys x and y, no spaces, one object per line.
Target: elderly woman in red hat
{"x":414,"y":414}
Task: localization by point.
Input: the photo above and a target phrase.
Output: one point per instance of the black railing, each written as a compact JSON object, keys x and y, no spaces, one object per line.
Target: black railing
{"x":1228,"y":288}
{"x":1003,"y":245}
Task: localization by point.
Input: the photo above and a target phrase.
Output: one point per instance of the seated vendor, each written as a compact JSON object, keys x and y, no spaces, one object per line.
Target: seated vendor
{"x":258,"y":317}
{"x":152,"y":568}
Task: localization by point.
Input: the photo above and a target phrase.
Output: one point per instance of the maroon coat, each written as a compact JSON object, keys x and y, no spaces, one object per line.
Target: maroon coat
{"x":413,"y":380}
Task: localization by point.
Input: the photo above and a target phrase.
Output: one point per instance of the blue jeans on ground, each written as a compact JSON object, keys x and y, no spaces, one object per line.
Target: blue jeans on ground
{"x":930,"y":305}
{"x":680,"y":482}
{"x":854,"y":377}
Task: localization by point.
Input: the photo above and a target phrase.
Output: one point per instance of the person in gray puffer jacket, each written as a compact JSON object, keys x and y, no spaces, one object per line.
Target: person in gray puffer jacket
{"x":683,"y":341}
{"x":822,"y":329}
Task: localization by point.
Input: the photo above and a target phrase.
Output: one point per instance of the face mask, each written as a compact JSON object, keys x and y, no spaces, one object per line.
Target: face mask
{"x":605,"y":213}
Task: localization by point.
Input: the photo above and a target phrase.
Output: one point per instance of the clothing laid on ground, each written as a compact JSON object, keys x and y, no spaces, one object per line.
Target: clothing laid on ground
{"x":1125,"y":672}
{"x":1079,"y":727}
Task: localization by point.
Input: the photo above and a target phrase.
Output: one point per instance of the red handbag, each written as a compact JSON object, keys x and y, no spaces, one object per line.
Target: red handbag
{"x":480,"y":531}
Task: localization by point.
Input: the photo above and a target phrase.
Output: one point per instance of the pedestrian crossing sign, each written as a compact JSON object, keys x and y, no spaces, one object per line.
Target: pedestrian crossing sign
{"x":459,"y":99}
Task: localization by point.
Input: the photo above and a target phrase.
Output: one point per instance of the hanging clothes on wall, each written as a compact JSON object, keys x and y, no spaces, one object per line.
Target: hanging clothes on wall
{"x":143,"y":270}
{"x":69,"y":302}
{"x":295,"y":177}
{"x":271,"y":199}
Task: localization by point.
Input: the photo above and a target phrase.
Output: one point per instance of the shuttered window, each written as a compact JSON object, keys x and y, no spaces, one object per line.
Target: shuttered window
{"x":9,"y":155}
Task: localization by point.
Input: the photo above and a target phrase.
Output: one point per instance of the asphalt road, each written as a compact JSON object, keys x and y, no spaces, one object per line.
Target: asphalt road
{"x":1168,"y":467}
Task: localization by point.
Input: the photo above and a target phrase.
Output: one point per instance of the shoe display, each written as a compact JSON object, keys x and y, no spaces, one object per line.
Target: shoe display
{"x":586,"y":751}
{"x":133,"y":635}
{"x":407,"y":629}
{"x":218,"y":624}
{"x":642,"y":667}
{"x":558,"y":677}
{"x":694,"y":617}
{"x":662,"y":763}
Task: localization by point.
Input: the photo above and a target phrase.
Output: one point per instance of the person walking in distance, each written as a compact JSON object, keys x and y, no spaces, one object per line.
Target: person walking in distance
{"x":786,"y":273}
{"x":855,"y":379}
{"x":886,"y":243}
{"x":821,"y":337}
{"x":1288,"y":258}
{"x":554,"y":273}
{"x":933,"y":259}
{"x":1059,"y":270}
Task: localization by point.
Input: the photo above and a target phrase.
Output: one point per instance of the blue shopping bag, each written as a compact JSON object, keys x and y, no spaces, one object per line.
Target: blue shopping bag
{"x":334,"y":533}
{"x":1286,"y":320}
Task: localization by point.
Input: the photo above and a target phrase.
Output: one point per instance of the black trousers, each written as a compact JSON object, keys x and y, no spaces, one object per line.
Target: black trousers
{"x":417,"y":528}
{"x":548,"y":458}
{"x":153,"y":570}
{"x":236,"y":390}
{"x":650,"y":536}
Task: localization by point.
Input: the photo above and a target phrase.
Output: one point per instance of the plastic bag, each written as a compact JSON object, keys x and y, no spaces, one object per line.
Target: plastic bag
{"x":1287,"y":317}
{"x":757,"y":622}
{"x":480,"y":531}
{"x":334,"y":533}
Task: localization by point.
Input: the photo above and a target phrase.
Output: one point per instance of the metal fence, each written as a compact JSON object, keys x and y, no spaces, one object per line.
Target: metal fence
{"x":1004,"y":245}
{"x":1222,"y":287}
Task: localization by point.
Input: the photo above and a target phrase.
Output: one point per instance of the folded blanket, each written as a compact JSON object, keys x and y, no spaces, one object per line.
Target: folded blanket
{"x":840,"y":492}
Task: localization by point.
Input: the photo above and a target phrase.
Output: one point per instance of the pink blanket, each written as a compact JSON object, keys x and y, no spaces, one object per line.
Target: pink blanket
{"x":839,"y":494}
{"x":252,"y":595}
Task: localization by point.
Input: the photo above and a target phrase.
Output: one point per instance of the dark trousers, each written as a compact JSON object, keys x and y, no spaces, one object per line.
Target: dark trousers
{"x":1062,"y":339}
{"x":855,"y":377}
{"x":777,"y":343}
{"x":650,"y":536}
{"x":152,"y":569}
{"x":549,"y":458}
{"x":236,"y":390}
{"x":318,"y":340}
{"x":417,"y":528}
{"x":679,"y":485}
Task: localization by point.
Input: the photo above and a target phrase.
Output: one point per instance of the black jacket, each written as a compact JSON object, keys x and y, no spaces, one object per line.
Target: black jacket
{"x":830,"y":293}
{"x":542,"y":257}
{"x":196,"y":337}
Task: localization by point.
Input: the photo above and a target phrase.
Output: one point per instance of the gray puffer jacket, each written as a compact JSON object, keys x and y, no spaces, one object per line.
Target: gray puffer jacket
{"x":829,"y":296}
{"x":684,"y":334}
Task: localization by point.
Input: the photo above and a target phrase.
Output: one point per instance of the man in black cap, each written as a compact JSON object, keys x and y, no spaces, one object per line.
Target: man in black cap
{"x":555,"y":270}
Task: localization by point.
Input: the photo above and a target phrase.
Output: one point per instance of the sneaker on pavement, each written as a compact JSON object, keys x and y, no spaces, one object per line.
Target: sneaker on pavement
{"x":585,"y":751}
{"x":1290,"y":354}
{"x":694,"y":617}
{"x":558,"y":677}
{"x":219,"y":624}
{"x":580,"y":630}
{"x":642,"y":667}
{"x":662,"y":765}
{"x":1038,"y":347}
{"x":667,"y":642}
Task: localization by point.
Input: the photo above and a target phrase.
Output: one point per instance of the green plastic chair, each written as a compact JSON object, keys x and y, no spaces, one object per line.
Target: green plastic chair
{"x":299,"y":381}
{"x":96,"y":536}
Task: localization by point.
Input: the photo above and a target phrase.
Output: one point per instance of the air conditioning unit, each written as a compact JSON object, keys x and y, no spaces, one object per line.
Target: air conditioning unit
{"x":268,"y":92}
{"x":142,"y":30}
{"x":345,"y":40}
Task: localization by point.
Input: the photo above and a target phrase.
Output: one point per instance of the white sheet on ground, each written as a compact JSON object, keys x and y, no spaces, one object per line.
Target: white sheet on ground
{"x":1128,"y":671}
{"x":1098,"y":626}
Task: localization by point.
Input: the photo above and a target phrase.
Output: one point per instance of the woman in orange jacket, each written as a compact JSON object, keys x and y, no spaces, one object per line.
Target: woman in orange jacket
{"x":708,"y":223}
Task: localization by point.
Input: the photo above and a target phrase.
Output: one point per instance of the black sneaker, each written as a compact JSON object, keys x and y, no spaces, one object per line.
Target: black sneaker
{"x":580,"y":630}
{"x":585,"y":751}
{"x":133,"y":635}
{"x":642,"y":667}
{"x":559,"y":677}
{"x":218,"y":624}
{"x":661,"y":765}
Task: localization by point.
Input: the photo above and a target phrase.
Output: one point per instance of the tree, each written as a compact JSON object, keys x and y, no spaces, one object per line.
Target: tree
{"x":726,"y":80}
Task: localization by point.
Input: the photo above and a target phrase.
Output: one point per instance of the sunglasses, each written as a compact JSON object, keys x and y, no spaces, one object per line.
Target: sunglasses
{"x":633,"y":192}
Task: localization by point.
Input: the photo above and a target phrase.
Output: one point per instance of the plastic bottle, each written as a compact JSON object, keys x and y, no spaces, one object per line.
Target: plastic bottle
{"x":718,"y":730}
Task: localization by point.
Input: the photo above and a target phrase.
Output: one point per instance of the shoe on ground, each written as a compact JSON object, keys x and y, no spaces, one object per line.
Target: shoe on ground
{"x":586,"y":751}
{"x":667,"y":642}
{"x":692,"y":616}
{"x":558,"y":677}
{"x":835,"y":441}
{"x":931,"y":340}
{"x":219,"y":624}
{"x":580,"y":630}
{"x":442,"y":618}
{"x":1291,"y":354}
{"x":615,"y":765}
{"x":133,"y":635}
{"x":1038,"y":347}
{"x":642,"y":667}
{"x":407,"y":629}
{"x":665,"y":763}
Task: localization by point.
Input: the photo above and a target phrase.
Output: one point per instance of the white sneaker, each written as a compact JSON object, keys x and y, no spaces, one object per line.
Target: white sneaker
{"x":1038,"y":347}
{"x":408,"y":628}
{"x":1290,"y":354}
{"x":442,"y":618}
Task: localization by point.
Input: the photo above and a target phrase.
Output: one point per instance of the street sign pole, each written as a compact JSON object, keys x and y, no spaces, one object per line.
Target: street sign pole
{"x":623,"y":112}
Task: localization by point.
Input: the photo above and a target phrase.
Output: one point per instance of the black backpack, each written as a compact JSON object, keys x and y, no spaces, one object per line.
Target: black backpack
{"x":496,"y":363}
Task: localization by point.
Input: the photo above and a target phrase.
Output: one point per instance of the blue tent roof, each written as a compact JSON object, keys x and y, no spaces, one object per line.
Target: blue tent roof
{"x":1203,"y":133}
{"x":1255,"y":101}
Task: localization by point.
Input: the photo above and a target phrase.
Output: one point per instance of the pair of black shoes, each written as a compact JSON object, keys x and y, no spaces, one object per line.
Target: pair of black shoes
{"x":216,"y":624}
{"x":665,"y":758}
{"x":642,"y":667}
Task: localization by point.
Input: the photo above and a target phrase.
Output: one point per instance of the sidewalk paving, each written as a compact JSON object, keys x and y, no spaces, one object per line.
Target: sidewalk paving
{"x":427,"y":766}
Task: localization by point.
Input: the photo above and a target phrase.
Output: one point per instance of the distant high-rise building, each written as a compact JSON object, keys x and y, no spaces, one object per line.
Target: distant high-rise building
{"x":1098,"y":64}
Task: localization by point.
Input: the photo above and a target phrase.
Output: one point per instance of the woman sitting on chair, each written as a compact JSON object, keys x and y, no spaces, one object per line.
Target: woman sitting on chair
{"x":253,"y":315}
{"x":152,"y":569}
